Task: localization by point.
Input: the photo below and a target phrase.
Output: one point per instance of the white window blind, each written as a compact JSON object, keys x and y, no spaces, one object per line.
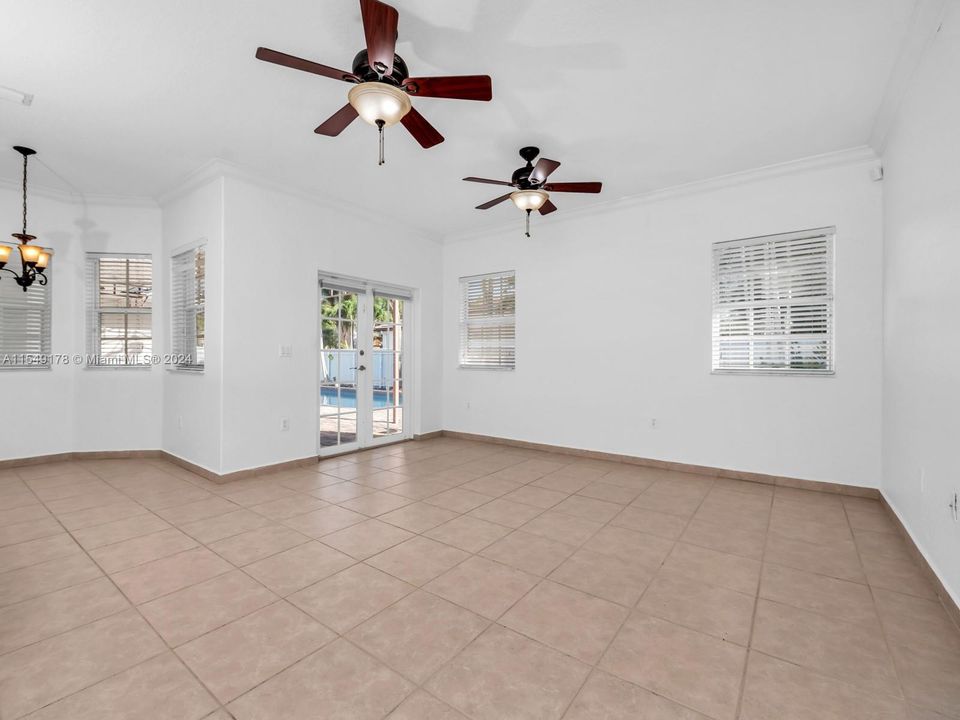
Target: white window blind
{"x":488,"y":321}
{"x":119,"y":310}
{"x":24,"y":323}
{"x":187,"y":317}
{"x":773,"y":303}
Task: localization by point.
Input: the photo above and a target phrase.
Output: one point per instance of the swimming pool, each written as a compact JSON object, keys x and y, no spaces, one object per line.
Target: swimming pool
{"x":348,"y":398}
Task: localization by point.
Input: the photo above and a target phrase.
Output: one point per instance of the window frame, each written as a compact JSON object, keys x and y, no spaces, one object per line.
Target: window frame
{"x":492,"y":320}
{"x":829,"y":233}
{"x":198,"y":308}
{"x":94,"y":310}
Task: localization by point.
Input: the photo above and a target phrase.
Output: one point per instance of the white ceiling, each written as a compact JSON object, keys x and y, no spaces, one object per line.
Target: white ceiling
{"x":641,"y":94}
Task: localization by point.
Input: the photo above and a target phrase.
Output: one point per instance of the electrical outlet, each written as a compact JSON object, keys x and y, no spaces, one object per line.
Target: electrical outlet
{"x":653,"y":423}
{"x":286,"y":351}
{"x":284,"y":424}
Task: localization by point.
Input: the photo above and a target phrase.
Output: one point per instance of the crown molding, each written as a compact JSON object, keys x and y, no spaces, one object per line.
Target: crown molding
{"x":925,"y":23}
{"x":862,"y":155}
{"x":75,"y":197}
{"x":217,"y":168}
{"x":207,"y":172}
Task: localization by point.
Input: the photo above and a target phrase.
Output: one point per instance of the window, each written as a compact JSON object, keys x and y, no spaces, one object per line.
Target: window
{"x":119,"y":310}
{"x":24,"y":324}
{"x":487,"y":321}
{"x":773,"y":303}
{"x":187,"y":319}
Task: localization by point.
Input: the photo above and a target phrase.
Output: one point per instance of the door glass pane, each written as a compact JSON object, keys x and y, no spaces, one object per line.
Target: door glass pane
{"x":338,"y":363}
{"x":387,"y":366}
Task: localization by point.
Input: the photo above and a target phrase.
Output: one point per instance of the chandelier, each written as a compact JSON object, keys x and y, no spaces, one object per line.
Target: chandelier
{"x":33,"y":258}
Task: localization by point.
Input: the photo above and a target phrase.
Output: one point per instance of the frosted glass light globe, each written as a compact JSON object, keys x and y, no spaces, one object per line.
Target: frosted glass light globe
{"x":30,"y":253}
{"x":529,"y":199}
{"x":378,"y":101}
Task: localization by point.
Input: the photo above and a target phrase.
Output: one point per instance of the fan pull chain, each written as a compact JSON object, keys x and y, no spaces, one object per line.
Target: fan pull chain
{"x":380,"y":128}
{"x":528,"y":224}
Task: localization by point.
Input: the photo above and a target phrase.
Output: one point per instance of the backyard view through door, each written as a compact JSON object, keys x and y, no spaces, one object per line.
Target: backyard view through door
{"x":362,"y":393}
{"x":388,"y":366}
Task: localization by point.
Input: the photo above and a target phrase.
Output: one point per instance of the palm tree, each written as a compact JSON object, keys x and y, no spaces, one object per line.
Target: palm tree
{"x":340,"y":306}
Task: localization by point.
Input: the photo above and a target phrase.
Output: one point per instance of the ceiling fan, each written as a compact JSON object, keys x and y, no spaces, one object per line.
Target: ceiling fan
{"x":382,"y":83}
{"x":532,"y":189}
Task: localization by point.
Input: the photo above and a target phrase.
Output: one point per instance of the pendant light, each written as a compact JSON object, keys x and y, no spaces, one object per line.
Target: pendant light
{"x":33,"y":258}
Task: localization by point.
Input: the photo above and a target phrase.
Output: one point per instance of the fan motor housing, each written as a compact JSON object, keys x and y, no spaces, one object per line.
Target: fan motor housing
{"x":362,"y":69}
{"x":521,"y":176}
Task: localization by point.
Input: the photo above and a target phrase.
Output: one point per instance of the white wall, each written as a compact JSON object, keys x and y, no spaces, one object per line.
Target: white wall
{"x":275,"y":244}
{"x":227,"y":417}
{"x":192,"y":401}
{"x":921,"y":336}
{"x":634,"y":282}
{"x":68,"y":407}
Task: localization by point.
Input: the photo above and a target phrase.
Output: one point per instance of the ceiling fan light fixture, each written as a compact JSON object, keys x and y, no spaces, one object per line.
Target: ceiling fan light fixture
{"x":377,"y":101}
{"x":529,"y":199}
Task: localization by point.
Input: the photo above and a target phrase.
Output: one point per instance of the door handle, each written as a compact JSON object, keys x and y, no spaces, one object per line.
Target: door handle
{"x":359,"y":367}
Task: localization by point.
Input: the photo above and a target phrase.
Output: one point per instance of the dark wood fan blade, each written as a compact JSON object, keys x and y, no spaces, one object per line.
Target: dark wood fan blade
{"x":380,"y":29}
{"x":459,"y":87}
{"x":422,"y":131}
{"x":337,"y":123}
{"x":579,"y":187}
{"x":489,"y":182}
{"x":496,"y":201}
{"x":290,"y":61}
{"x":547,"y":208}
{"x":542,"y":170}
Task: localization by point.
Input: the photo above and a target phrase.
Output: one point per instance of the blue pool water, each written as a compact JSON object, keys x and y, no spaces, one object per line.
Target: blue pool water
{"x":348,"y":398}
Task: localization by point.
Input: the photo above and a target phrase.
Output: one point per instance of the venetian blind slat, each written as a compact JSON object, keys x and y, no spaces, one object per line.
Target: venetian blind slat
{"x":488,"y":321}
{"x":773,"y":303}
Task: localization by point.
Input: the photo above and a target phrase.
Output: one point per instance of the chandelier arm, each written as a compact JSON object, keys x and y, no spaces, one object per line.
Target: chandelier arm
{"x":11,"y":272}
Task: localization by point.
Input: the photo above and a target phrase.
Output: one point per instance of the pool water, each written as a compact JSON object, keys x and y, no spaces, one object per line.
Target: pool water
{"x":348,"y":398}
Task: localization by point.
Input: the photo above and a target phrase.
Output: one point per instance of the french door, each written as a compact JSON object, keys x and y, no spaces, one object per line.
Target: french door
{"x":364,"y":328}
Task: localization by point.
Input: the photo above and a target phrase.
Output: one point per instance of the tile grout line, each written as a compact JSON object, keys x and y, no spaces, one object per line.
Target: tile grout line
{"x":819,"y":673}
{"x":596,"y":666}
{"x":145,"y":621}
{"x":339,"y":635}
{"x":342,"y":636}
{"x":738,"y":711}
{"x":490,"y":623}
{"x":136,"y":608}
{"x":314,"y":539}
{"x":412,"y":478}
{"x":876,"y":609}
{"x":172,"y":650}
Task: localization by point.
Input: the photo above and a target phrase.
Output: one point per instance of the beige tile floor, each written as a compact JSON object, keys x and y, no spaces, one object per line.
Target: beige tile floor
{"x":446,"y":579}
